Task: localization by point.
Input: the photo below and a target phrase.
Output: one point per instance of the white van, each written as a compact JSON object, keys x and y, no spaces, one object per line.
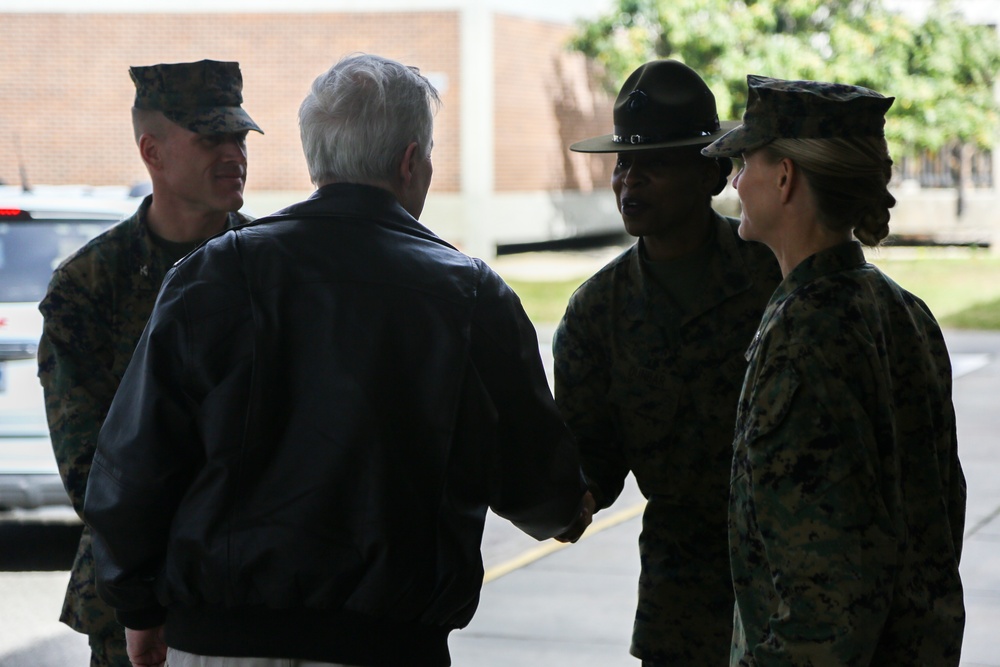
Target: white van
{"x":38,"y":229}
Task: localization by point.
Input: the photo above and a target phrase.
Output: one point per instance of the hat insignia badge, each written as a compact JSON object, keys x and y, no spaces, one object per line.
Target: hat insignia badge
{"x":637,"y":99}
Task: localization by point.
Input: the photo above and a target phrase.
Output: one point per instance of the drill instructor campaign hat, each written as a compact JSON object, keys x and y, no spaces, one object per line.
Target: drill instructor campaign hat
{"x":663,"y":104}
{"x":780,"y":109}
{"x":204,"y":97}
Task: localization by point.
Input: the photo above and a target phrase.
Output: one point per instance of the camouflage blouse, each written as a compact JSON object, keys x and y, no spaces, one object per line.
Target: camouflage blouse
{"x":848,"y":500}
{"x":96,"y":307}
{"x":650,"y":386}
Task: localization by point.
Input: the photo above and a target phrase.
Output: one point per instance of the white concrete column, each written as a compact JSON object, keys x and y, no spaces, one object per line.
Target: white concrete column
{"x":477,"y":123}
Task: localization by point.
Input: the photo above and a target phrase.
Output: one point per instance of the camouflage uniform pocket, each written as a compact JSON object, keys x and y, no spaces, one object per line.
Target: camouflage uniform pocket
{"x":770,"y":402}
{"x":645,"y":406}
{"x":643,"y":391}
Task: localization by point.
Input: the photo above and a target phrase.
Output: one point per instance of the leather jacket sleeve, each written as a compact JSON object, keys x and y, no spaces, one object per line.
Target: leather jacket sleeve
{"x":152,"y":432}
{"x":535,"y":480}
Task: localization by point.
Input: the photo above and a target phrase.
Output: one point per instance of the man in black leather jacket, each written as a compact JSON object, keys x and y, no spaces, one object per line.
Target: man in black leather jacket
{"x":324,"y":403}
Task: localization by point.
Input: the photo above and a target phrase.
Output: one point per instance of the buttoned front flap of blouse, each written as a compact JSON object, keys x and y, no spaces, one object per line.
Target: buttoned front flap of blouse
{"x":639,"y":378}
{"x":814,"y":549}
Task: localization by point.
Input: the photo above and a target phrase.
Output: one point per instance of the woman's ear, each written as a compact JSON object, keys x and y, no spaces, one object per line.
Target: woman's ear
{"x":787,"y":176}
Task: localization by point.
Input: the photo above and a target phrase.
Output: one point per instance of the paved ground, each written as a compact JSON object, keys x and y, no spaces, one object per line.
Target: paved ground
{"x":552,"y":607}
{"x":555,"y":607}
{"x":977,"y":403}
{"x":574,"y":607}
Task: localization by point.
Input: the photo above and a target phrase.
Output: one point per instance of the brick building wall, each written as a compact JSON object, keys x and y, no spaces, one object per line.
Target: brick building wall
{"x":546,"y":98}
{"x":66,"y":92}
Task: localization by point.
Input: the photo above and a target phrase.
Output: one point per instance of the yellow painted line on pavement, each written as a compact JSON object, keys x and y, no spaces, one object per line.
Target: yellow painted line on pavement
{"x":551,"y":546}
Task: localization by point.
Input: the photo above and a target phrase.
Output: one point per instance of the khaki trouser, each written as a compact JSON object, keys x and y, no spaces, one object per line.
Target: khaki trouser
{"x":177,"y":658}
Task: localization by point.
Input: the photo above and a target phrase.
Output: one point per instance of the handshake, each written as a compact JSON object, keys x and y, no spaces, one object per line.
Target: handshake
{"x":574,"y":532}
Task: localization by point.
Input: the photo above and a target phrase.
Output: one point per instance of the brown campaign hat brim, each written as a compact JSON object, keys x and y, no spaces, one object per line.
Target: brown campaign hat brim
{"x":607,"y":144}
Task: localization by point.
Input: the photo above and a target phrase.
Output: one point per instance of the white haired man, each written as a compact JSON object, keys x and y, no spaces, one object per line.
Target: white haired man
{"x":323,"y":406}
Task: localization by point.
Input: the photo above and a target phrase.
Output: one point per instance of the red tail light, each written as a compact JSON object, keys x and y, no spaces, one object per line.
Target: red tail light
{"x":13,"y":214}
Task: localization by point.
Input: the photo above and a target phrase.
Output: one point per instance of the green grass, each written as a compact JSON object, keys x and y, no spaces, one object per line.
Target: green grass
{"x":961,"y":286}
{"x":979,"y":316}
{"x":545,"y":301}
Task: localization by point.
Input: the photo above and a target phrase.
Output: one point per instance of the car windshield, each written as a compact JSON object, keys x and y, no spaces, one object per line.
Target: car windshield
{"x":29,"y":251}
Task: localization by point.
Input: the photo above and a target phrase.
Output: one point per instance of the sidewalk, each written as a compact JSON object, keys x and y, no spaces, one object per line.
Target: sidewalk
{"x":574,"y":606}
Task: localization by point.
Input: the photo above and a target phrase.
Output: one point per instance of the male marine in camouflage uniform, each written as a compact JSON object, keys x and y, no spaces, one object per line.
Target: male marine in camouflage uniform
{"x":848,"y":498}
{"x":649,"y":359}
{"x":191,"y":133}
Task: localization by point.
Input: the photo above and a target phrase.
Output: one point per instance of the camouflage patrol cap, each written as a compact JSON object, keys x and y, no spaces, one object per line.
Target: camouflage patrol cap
{"x":203,"y":97}
{"x":779,"y":109}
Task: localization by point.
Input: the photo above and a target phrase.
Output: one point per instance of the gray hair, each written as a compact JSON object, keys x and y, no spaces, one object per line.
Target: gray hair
{"x":360,"y":116}
{"x":849,"y":178}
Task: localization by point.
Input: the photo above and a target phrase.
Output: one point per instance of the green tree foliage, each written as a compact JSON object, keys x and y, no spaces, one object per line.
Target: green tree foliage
{"x":941,"y":70}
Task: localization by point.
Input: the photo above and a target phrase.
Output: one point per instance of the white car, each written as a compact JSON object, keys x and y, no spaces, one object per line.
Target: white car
{"x":38,"y":229}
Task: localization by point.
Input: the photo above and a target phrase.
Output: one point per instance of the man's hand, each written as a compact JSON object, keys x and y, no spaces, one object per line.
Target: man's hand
{"x":582,"y":521}
{"x":146,"y":648}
